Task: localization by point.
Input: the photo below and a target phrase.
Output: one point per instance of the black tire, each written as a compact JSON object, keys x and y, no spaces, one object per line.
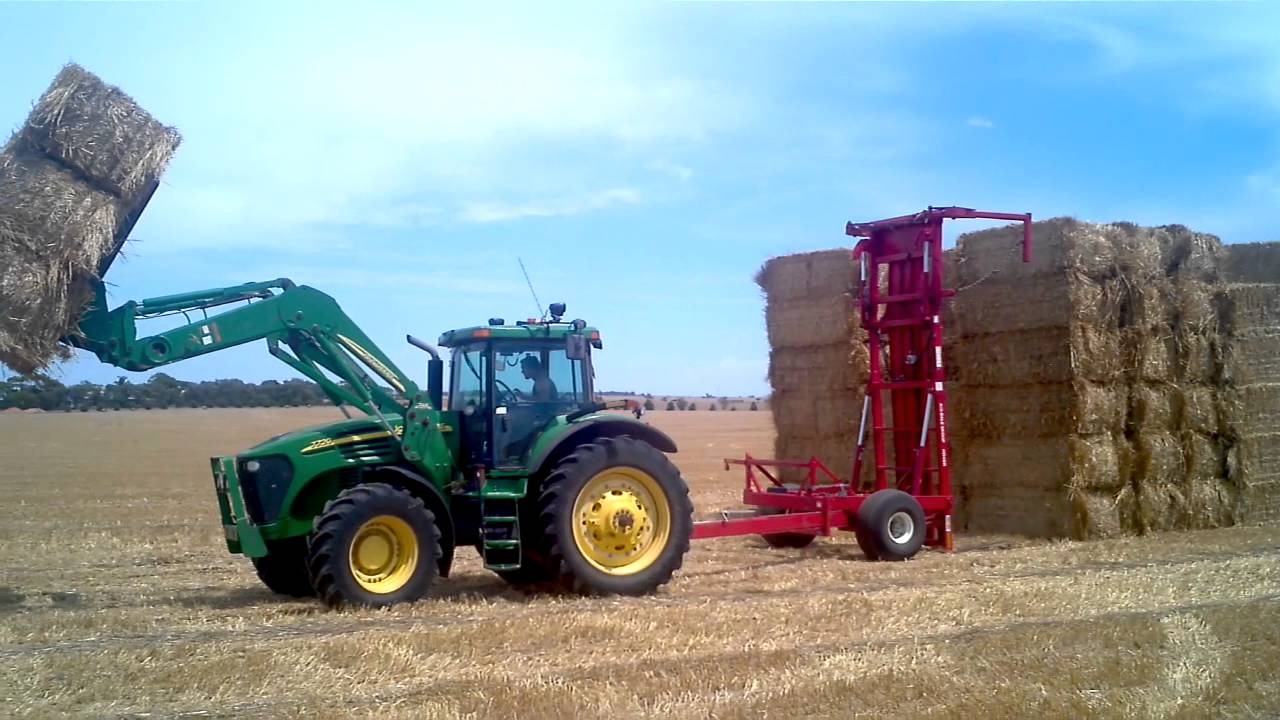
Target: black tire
{"x":561,"y":491}
{"x":330,"y":551}
{"x":891,"y":526}
{"x":284,"y":568}
{"x":792,"y":540}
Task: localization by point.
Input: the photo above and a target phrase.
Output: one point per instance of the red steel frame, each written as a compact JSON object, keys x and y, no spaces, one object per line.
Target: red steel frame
{"x":901,"y":298}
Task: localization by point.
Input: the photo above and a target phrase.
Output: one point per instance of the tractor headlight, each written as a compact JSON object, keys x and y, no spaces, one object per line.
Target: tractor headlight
{"x":264,"y":483}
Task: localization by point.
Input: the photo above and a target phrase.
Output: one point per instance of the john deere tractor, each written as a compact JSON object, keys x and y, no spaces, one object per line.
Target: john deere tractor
{"x":521,"y":462}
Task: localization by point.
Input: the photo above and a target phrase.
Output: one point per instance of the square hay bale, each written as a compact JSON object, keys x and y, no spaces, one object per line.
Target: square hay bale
{"x":1059,"y":300}
{"x":816,"y":413}
{"x":101,"y":132}
{"x":1037,"y":410}
{"x":1252,"y":263}
{"x":1198,"y":407}
{"x":1154,"y":407}
{"x":805,"y":322}
{"x":1253,"y":356}
{"x":1259,"y":409}
{"x":1159,"y":459}
{"x":1246,"y":307}
{"x":1162,"y":506}
{"x":1195,"y":306}
{"x":1149,"y":357}
{"x":835,"y":366}
{"x":820,"y":275}
{"x":1059,"y":244}
{"x":1100,"y":515}
{"x":1042,"y":355}
{"x":54,"y":231}
{"x":1188,"y":254}
{"x":835,"y":451}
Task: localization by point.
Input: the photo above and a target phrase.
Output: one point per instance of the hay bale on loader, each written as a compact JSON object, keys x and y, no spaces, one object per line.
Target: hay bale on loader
{"x":69,"y":179}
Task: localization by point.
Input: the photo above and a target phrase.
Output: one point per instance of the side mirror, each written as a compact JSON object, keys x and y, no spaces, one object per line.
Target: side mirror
{"x":575,"y":347}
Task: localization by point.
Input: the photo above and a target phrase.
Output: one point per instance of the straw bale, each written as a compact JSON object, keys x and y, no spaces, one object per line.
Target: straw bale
{"x":46,"y":211}
{"x":834,"y":366}
{"x":1046,"y":301}
{"x":1100,"y":515}
{"x":1260,"y":408}
{"x":1260,"y":477}
{"x":101,"y":132}
{"x":836,"y":452}
{"x":816,"y":413}
{"x":1249,"y":306}
{"x":1037,"y":410}
{"x":1189,"y":254}
{"x":1198,"y":358}
{"x":1150,"y":357}
{"x":1154,"y":406}
{"x":1198,"y":408}
{"x":821,"y":274}
{"x":1260,"y":501}
{"x":1162,"y":506}
{"x":1042,"y":355}
{"x":1211,"y":503}
{"x":1252,"y":263}
{"x":1195,"y":306}
{"x":1253,"y":356}
{"x":1260,"y":453}
{"x":1159,"y":459}
{"x":812,"y":321}
{"x":1059,"y":244}
{"x":1098,"y":462}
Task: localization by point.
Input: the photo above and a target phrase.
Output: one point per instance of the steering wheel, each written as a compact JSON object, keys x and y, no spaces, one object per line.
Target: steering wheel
{"x":507,"y":396}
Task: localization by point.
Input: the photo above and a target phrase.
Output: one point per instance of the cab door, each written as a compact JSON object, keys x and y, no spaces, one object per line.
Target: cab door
{"x":469,"y":396}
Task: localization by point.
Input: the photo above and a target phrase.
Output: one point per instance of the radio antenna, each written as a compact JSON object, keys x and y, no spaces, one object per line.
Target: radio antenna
{"x":538,"y":303}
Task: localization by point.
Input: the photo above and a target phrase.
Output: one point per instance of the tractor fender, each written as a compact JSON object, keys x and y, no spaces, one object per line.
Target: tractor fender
{"x":422,"y":488}
{"x":592,"y":427}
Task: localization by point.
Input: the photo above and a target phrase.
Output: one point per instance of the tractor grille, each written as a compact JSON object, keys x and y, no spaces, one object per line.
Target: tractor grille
{"x":369,"y":449}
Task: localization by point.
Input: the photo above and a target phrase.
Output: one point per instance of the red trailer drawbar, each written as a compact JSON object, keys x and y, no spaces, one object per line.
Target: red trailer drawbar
{"x":901,"y":291}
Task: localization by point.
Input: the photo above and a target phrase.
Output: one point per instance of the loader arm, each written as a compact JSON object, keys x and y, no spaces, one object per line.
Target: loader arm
{"x":319,"y":336}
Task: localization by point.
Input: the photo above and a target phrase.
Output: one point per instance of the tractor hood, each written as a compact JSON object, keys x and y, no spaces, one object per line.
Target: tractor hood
{"x":322,"y":437}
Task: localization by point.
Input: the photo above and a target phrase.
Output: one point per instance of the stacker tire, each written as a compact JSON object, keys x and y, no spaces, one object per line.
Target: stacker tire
{"x":784,"y":539}
{"x":618,"y":518}
{"x":891,"y":526}
{"x":374,"y":546}
{"x":284,"y":568}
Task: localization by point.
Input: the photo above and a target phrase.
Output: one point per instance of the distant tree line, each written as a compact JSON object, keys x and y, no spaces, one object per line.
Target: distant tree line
{"x":42,"y":392}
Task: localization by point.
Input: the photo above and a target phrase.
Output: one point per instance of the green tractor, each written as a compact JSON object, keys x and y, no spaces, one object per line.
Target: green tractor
{"x":521,"y":462}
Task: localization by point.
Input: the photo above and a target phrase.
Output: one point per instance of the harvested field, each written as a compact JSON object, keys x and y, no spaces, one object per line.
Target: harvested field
{"x":134,"y":608}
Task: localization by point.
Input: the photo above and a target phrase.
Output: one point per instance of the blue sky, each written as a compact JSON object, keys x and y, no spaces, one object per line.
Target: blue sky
{"x":643,"y":160}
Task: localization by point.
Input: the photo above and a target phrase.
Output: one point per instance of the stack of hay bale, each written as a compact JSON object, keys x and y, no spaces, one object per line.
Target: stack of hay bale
{"x":1115,"y":385}
{"x":1251,"y":331}
{"x":1089,"y":384}
{"x":818,"y":361}
{"x":84,"y":162}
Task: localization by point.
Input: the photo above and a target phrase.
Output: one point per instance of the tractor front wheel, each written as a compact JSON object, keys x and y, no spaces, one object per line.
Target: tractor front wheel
{"x":374,"y":545}
{"x":618,"y":517}
{"x":284,"y":568}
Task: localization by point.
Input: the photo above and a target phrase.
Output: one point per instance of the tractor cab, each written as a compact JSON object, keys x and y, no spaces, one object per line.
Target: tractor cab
{"x":508,"y":382}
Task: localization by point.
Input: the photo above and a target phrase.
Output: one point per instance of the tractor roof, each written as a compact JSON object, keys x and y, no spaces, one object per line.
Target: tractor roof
{"x":527,"y":330}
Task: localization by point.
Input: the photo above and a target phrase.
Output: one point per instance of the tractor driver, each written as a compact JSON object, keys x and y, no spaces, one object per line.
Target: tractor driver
{"x":544,"y":390}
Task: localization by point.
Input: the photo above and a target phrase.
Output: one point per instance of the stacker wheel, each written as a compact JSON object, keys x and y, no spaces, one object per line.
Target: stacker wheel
{"x":374,"y":545}
{"x":618,"y":517}
{"x":891,"y":526}
{"x":784,"y":539}
{"x":284,"y":568}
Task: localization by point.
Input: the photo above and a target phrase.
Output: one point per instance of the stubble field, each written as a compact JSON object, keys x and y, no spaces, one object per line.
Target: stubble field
{"x":118,"y":599}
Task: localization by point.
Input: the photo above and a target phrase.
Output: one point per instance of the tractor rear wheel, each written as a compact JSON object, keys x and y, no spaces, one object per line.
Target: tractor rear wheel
{"x":618,"y":518}
{"x":890,"y":526}
{"x":284,"y":568}
{"x":374,"y":545}
{"x":784,"y":539}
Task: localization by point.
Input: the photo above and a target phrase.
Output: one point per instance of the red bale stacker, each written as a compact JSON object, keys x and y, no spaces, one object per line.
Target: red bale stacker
{"x":910,"y":502}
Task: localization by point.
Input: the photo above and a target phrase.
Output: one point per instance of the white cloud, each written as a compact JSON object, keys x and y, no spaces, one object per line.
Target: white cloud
{"x":981,"y":122}
{"x":665,"y":167}
{"x":488,"y":212}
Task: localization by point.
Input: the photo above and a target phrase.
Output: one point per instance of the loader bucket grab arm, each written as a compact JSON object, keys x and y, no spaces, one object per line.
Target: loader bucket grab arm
{"x":310,"y":323}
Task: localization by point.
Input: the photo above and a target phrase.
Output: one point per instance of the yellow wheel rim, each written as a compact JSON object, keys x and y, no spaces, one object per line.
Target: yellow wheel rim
{"x":384,"y":554}
{"x":622,"y":520}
